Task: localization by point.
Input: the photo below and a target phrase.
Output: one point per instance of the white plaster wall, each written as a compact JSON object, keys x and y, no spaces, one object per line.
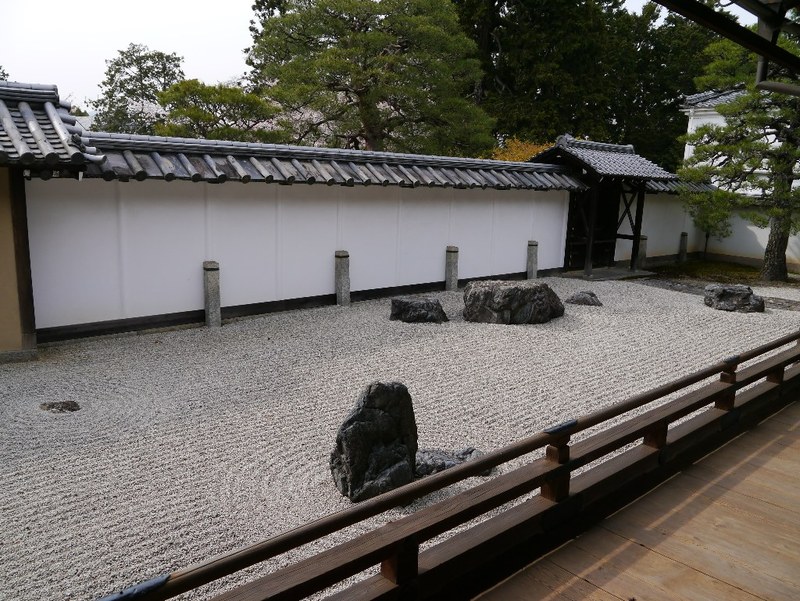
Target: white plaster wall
{"x":749,"y":241}
{"x":75,"y":256}
{"x":109,"y":250}
{"x":663,"y":220}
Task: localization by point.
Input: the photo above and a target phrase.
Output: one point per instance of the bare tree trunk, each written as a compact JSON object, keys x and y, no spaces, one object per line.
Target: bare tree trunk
{"x":774,"y":267}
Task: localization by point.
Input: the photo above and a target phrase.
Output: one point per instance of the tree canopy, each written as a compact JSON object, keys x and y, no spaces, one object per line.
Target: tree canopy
{"x":128,"y":101}
{"x":371,"y":74}
{"x":586,"y":67}
{"x":3,"y":73}
{"x":217,"y":112}
{"x":755,"y":156}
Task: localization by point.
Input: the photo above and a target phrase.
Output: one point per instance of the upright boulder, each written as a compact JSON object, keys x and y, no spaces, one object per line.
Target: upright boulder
{"x":417,"y":310}
{"x":511,"y":302}
{"x":376,"y":446}
{"x":738,"y":298}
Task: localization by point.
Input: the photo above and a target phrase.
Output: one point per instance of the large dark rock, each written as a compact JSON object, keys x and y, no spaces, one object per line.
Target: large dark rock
{"x":494,"y":301}
{"x":417,"y":310}
{"x":376,"y":446}
{"x":733,"y":298}
{"x":431,"y":461}
{"x":584,"y":297}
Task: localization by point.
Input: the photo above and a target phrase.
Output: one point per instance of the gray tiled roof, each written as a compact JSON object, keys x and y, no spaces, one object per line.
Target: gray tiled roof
{"x":37,"y":131}
{"x":606,"y":160}
{"x":153,"y":157}
{"x":711,"y":98}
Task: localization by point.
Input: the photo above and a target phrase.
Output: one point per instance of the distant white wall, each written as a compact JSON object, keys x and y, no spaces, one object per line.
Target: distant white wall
{"x":110,"y":250}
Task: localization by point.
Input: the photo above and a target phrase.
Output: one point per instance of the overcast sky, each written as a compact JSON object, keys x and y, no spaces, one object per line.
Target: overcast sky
{"x":48,"y":41}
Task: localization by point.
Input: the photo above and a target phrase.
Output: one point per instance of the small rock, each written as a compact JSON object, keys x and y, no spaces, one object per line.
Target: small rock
{"x":376,"y":446}
{"x":431,"y":461}
{"x":495,"y":301}
{"x":584,"y":297}
{"x":60,"y":406}
{"x":738,"y":298}
{"x":417,"y":310}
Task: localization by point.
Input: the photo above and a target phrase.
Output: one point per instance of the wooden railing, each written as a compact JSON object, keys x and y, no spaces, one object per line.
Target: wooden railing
{"x":567,"y":503}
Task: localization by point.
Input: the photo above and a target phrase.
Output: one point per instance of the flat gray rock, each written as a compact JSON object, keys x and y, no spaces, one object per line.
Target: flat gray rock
{"x":511,"y":302}
{"x":417,"y":310}
{"x":736,"y":297}
{"x":431,"y":461}
{"x":376,"y":446}
{"x":584,"y":297}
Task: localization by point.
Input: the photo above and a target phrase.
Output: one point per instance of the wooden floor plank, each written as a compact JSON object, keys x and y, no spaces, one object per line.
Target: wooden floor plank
{"x":629,"y":570}
{"x":755,"y":484}
{"x":759,"y":561}
{"x":545,"y":581}
{"x":728,"y":527}
{"x":753,"y":507}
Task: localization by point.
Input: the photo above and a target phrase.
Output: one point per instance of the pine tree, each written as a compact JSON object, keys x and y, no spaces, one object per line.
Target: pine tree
{"x":371,"y":74}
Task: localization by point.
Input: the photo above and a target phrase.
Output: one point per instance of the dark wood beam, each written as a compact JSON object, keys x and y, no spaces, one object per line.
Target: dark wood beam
{"x":711,"y":19}
{"x":637,"y":228}
{"x":587,"y":266}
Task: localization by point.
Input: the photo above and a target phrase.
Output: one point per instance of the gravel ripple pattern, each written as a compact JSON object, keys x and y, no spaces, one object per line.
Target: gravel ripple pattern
{"x":191,"y":443}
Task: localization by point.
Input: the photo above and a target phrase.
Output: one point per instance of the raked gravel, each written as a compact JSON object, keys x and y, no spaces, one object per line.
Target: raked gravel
{"x":195,"y":442}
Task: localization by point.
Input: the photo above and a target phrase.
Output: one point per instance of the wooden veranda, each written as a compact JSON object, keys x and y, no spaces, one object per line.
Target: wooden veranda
{"x":728,"y":527}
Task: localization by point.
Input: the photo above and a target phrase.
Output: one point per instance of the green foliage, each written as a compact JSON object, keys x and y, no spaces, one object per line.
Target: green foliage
{"x":373,"y":74}
{"x":78,"y":111}
{"x":588,"y":68}
{"x":3,"y":74}
{"x":128,"y":101}
{"x":216,"y":112}
{"x":756,"y":154}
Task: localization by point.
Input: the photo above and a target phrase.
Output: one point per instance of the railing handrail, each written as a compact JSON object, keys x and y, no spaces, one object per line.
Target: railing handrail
{"x":201,"y":573}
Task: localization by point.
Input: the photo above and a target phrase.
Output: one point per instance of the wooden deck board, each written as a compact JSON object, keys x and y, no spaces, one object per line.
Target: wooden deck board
{"x":728,"y":527}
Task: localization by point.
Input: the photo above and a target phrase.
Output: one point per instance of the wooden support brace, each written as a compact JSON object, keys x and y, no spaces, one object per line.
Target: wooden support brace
{"x":403,"y":566}
{"x":728,"y":376}
{"x":657,"y":436}
{"x":556,"y":488}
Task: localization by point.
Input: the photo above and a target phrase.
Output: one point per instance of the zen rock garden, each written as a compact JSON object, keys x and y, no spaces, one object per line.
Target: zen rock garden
{"x":376,"y":445}
{"x":737,"y":298}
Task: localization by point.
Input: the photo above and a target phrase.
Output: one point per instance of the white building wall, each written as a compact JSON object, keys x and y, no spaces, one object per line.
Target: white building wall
{"x":109,"y":250}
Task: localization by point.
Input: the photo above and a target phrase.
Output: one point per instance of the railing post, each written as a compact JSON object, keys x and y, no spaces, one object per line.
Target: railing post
{"x":657,"y":436}
{"x":556,"y":488}
{"x":402,"y":567}
{"x":728,"y":376}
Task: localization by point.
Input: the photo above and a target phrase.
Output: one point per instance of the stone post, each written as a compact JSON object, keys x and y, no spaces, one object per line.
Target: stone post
{"x":211,"y":289}
{"x":641,"y":261}
{"x":451,"y":268}
{"x":533,"y":259}
{"x":342,"y":278}
{"x":683,"y":249}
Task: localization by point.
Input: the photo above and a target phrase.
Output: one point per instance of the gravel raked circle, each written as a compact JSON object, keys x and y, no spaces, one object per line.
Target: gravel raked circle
{"x":195,"y":442}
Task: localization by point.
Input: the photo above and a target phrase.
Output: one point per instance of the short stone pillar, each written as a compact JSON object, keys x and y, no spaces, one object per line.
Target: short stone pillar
{"x":342,"y":277}
{"x":451,"y":268}
{"x":641,"y":260}
{"x":683,"y":249}
{"x":533,"y":259}
{"x":211,"y":290}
